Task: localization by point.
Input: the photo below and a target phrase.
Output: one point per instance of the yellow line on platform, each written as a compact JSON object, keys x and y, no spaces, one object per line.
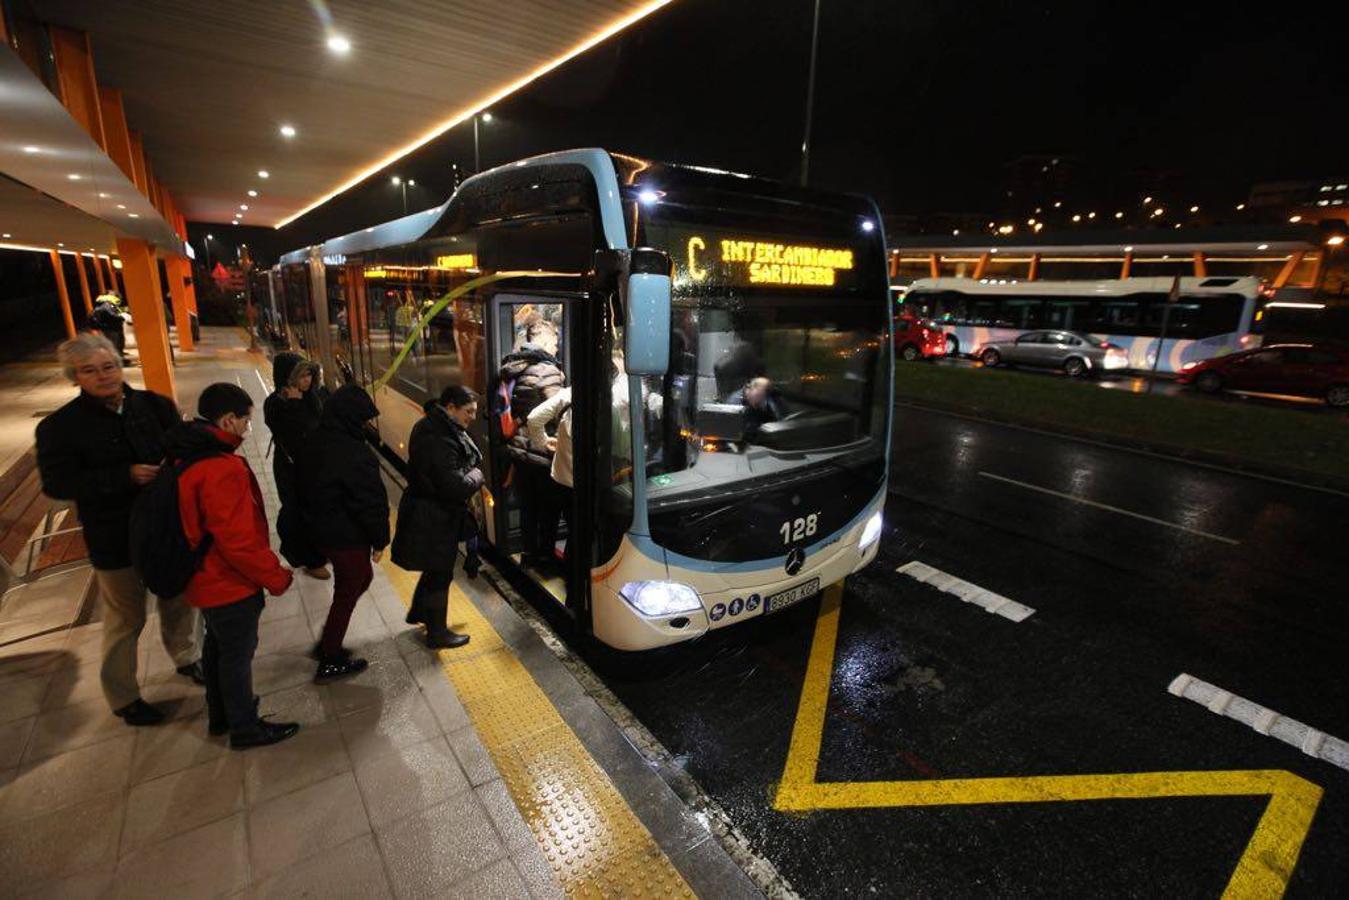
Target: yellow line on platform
{"x":593,"y":841}
{"x":1263,"y":870}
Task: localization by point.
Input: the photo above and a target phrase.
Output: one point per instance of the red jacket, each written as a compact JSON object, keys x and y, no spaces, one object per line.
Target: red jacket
{"x":221,"y":496}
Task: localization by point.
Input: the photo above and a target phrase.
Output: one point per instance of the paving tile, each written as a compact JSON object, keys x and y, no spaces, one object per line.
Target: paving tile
{"x":472,"y":755}
{"x":278,"y":608}
{"x":73,"y":684}
{"x":443,"y":699}
{"x":505,"y":815}
{"x":209,"y":861}
{"x":352,"y":870}
{"x":278,"y":671}
{"x":311,"y":756}
{"x":91,"y":884}
{"x":305,"y":703}
{"x":293,"y":633}
{"x":34,"y":657}
{"x":67,"y":779}
{"x":62,"y":842}
{"x":498,"y":881}
{"x":431,"y":850}
{"x":173,"y":747}
{"x":60,"y":730}
{"x":378,"y":684}
{"x":22,"y":697}
{"x":397,"y":723}
{"x":174,"y":803}
{"x":285,"y":830}
{"x":178,"y":697}
{"x":537,"y":874}
{"x":409,"y":779}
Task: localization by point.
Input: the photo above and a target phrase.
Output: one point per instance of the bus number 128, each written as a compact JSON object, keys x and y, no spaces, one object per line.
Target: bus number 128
{"x":799,"y":529}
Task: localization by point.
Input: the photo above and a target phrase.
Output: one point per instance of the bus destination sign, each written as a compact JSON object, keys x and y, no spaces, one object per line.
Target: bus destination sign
{"x":742,"y":261}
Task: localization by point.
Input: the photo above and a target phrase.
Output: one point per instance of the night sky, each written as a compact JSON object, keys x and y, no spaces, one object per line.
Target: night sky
{"x":922,"y":104}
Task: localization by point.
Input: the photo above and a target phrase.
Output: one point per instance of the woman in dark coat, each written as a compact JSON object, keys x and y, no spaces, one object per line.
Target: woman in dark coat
{"x":346,"y":512}
{"x":291,"y":412}
{"x":433,"y":516}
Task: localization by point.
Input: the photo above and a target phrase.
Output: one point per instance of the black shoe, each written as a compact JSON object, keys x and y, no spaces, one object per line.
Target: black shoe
{"x":339,"y":668}
{"x":446,"y":640}
{"x":262,"y":734}
{"x":138,"y":712}
{"x":193,"y":671}
{"x":471,"y":566}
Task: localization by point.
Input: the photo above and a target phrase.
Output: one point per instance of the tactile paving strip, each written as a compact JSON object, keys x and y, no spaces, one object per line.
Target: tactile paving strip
{"x":595,"y":844}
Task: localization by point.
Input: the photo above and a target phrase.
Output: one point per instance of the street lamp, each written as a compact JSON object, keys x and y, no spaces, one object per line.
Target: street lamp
{"x":400,"y":183}
{"x":486,"y":118}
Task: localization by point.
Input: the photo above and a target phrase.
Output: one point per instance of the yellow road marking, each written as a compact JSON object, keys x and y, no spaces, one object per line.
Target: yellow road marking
{"x":593,"y":841}
{"x":1263,"y":870}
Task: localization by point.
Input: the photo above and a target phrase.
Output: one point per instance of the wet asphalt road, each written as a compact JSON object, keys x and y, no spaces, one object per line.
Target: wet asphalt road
{"x":1240,"y":582}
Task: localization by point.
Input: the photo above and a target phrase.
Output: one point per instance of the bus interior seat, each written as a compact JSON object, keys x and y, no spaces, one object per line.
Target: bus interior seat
{"x":722,"y":420}
{"x":808,"y":432}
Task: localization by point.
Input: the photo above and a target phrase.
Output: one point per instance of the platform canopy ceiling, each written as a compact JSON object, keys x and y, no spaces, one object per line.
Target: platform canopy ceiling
{"x":211,"y":84}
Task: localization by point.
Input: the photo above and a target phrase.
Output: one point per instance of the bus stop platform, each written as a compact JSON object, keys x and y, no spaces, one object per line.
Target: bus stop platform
{"x":487,"y":771}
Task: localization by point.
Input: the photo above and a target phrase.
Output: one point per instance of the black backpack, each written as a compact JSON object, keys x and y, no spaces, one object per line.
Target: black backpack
{"x":159,"y":548}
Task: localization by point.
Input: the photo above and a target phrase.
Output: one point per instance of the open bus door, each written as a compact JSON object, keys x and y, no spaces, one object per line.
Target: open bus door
{"x":554,"y":322}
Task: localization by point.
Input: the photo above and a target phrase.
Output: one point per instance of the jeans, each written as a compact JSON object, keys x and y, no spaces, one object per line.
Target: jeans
{"x":231,"y":639}
{"x":124,"y":600}
{"x":352,"y":574}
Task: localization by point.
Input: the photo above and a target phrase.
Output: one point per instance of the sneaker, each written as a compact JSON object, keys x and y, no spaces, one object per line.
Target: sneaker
{"x":341,"y":667}
{"x":138,"y":712}
{"x":446,"y":640}
{"x":262,"y":734}
{"x":193,"y":671}
{"x":319,"y":572}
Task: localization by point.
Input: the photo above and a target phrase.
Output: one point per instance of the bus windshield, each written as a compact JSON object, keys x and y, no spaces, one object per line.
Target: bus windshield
{"x":778,"y":364}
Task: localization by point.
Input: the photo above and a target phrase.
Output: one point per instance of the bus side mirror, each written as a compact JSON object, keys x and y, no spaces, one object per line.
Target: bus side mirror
{"x":647,"y":335}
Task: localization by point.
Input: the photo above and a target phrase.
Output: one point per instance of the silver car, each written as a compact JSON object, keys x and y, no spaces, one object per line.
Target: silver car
{"x":1076,"y":354}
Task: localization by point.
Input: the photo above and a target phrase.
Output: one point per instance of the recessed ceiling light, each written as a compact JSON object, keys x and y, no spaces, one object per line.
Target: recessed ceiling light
{"x":235,"y":222}
{"x":121,"y":206}
{"x":134,"y":215}
{"x":1263,"y":247}
{"x":288,"y":131}
{"x":104,"y":195}
{"x":60,"y":243}
{"x":263,"y":173}
{"x":339,"y":44}
{"x":243,"y":206}
{"x":73,"y":176}
{"x":6,"y":235}
{"x":31,"y":149}
{"x":252,"y":193}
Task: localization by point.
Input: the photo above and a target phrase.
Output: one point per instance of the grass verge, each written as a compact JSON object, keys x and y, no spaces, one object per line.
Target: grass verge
{"x":1297,"y":444}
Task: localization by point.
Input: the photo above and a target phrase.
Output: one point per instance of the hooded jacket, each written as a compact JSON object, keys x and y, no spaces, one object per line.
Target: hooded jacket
{"x":341,"y":494}
{"x":289,"y":421}
{"x":218,"y":494}
{"x":443,"y":475}
{"x":536,"y":375}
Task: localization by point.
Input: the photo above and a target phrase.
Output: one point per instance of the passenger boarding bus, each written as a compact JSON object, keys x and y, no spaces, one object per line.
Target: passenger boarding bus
{"x":727,"y":341}
{"x":1213,"y":316}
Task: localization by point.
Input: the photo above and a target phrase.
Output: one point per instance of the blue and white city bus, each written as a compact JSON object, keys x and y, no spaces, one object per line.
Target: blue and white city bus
{"x":727,"y":340}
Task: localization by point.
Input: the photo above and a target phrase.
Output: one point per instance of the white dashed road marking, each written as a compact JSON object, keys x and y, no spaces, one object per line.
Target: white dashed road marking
{"x":1114,"y":509}
{"x":970,"y":593}
{"x":1266,"y":721}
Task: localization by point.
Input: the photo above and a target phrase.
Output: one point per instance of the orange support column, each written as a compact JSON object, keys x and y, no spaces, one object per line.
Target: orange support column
{"x":981,"y":266}
{"x":1286,"y":274}
{"x":176,"y":269}
{"x":75,"y":74}
{"x":62,"y":294}
{"x":84,"y":284}
{"x":115,"y":130}
{"x":1200,"y":264}
{"x":140,"y":272}
{"x":1034,"y":274}
{"x":934,"y":265}
{"x":1128,"y":264}
{"x":98,"y":273}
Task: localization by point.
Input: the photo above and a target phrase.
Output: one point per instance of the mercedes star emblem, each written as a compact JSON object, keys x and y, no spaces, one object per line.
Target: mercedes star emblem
{"x":795,"y":560}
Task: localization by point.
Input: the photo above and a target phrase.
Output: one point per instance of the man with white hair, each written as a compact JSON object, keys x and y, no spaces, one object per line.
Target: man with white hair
{"x":99,"y":450}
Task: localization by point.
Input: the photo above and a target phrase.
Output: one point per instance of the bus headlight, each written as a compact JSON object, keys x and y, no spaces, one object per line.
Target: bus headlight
{"x":871,"y":534}
{"x":660,"y":598}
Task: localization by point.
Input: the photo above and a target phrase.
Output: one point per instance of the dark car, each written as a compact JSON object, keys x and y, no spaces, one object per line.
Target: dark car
{"x":1306,"y":370}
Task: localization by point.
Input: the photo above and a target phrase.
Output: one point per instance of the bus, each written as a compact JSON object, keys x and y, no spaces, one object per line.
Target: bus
{"x":1212,"y":317}
{"x":728,"y":344}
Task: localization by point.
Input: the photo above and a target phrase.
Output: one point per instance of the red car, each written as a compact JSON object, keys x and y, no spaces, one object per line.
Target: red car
{"x":916,"y":339}
{"x":1306,"y":370}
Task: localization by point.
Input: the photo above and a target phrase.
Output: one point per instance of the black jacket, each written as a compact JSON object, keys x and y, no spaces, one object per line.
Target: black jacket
{"x":342,"y":497}
{"x":442,"y":460}
{"x":535,"y":375}
{"x":290,"y":422}
{"x":85,"y":452}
